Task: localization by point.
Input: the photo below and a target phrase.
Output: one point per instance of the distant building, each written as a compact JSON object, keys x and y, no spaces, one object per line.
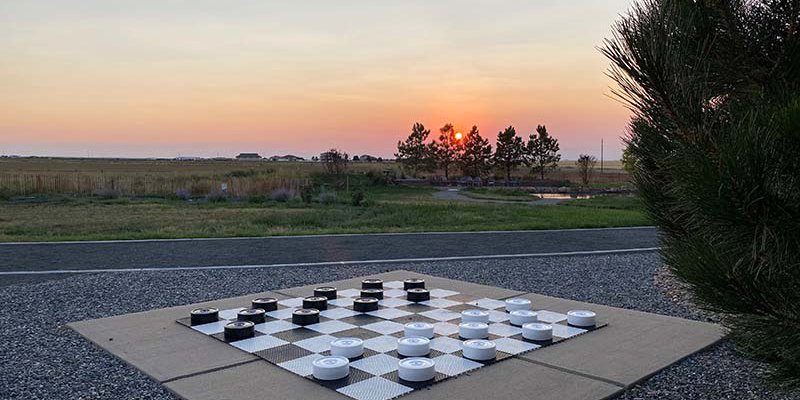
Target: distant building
{"x":326,"y":156}
{"x":187,"y":158}
{"x":286,"y":158}
{"x":248,"y":156}
{"x":368,"y":158}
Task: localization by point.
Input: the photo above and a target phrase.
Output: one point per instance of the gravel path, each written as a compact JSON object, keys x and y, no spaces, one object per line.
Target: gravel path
{"x":41,"y":359}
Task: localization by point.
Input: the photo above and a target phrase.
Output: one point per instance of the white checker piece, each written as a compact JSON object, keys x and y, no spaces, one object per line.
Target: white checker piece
{"x":275,"y":326}
{"x":258,"y":343}
{"x":384,"y":327}
{"x":341,"y":302}
{"x":504,"y":330}
{"x":317,"y":344}
{"x":451,"y":365}
{"x":440,"y":303}
{"x":376,"y":388}
{"x":337,"y":313}
{"x":550,"y":317}
{"x":440,"y":315}
{"x":230,"y":314}
{"x":349,"y":293}
{"x":393,"y":302}
{"x":378,"y":364}
{"x":301,"y":366}
{"x":513,"y":346}
{"x":443,"y":293}
{"x":489,"y":304}
{"x":393,"y":285}
{"x":389,"y":313}
{"x":330,"y":326}
{"x":381,"y":344}
{"x":212,"y":328}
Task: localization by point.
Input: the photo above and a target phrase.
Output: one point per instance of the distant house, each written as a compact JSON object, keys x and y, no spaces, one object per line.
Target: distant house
{"x":286,"y":158}
{"x":248,"y":156}
{"x":368,"y":158}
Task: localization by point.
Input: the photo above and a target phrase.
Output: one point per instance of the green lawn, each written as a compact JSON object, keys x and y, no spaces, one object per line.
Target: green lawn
{"x":387,"y":209}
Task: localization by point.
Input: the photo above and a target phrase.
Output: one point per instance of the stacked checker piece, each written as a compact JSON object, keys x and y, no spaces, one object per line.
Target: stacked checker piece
{"x":415,"y":368}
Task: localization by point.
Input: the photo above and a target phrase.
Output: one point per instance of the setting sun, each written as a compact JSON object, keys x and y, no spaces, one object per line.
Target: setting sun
{"x":459,"y":135}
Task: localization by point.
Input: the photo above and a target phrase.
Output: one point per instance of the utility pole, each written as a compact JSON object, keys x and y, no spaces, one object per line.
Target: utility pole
{"x":601,"y":155}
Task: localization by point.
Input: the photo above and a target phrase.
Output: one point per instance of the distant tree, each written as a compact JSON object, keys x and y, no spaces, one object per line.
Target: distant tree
{"x":356,"y":159}
{"x":628,"y":160}
{"x":448,"y":149}
{"x":413,"y":153}
{"x":542,"y":151}
{"x":510,"y":151}
{"x":585,"y":166}
{"x":477,"y":155}
{"x":335,"y":161}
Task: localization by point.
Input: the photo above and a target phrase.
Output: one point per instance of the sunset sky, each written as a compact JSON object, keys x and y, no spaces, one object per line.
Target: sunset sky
{"x":204,"y":78}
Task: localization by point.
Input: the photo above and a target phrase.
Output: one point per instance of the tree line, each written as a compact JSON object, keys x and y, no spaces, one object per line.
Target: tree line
{"x":472,"y":153}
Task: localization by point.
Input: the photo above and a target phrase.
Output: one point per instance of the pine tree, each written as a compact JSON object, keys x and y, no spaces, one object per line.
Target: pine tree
{"x":510,"y":152}
{"x":414,"y":153}
{"x":542,"y":151}
{"x":477,"y":155}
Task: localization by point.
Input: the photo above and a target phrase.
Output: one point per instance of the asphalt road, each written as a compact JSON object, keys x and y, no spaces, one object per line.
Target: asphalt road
{"x":19,"y":259}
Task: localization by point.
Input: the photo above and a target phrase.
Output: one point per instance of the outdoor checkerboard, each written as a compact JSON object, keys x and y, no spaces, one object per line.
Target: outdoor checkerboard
{"x":374,"y":376}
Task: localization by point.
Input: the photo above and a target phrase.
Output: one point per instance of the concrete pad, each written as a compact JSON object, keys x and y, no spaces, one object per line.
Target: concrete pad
{"x":256,"y":380}
{"x":154,"y":343}
{"x":518,"y":379}
{"x":634,"y":345}
{"x":431,"y":281}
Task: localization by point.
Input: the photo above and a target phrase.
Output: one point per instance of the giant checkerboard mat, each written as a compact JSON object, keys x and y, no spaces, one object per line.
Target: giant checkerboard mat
{"x":374,"y":376}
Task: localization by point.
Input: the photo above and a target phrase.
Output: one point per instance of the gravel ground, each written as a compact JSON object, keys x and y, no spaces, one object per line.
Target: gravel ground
{"x":42,"y":359}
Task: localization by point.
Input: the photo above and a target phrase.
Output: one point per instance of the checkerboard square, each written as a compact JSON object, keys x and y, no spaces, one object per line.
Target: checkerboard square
{"x":451,"y":365}
{"x":330,"y":327}
{"x":285,"y":313}
{"x":357,"y":332}
{"x":349,"y":293}
{"x":504,"y":330}
{"x":394,"y":302}
{"x":297,"y":334}
{"x":389,"y":313}
{"x":564,"y":331}
{"x":440,"y":303}
{"x":316,"y":344}
{"x":384,"y":327}
{"x":212,"y":328}
{"x":232,"y":313}
{"x":381,"y":344}
{"x":394,"y":293}
{"x":258,"y":343}
{"x":445,"y":344}
{"x":443,"y":293}
{"x":498,"y":316}
{"x":296,"y":302}
{"x":445,"y":328}
{"x":489,"y":304}
{"x":393,"y":285}
{"x":550,"y":317}
{"x":275,"y":326}
{"x":361,"y":319}
{"x":301,"y":366}
{"x":441,"y":315}
{"x":337,"y":313}
{"x":376,"y":388}
{"x":287,"y":352}
{"x":378,"y":364}
{"x":513,"y":346}
{"x":341,"y":302}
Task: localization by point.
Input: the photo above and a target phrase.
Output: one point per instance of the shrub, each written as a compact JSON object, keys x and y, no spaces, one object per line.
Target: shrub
{"x":714,"y":142}
{"x":307,"y":194}
{"x":216,"y":196}
{"x":106,"y":193}
{"x":357,"y":198}
{"x":327,"y":197}
{"x":183,"y":194}
{"x":283,"y":195}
